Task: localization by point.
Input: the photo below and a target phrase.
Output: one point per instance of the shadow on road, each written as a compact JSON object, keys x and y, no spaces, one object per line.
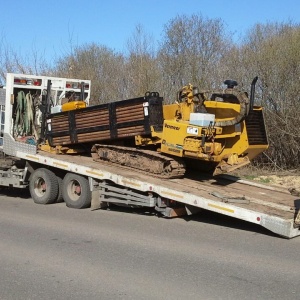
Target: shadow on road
{"x":209,"y":217}
{"x":15,"y":192}
{"x":204,"y":216}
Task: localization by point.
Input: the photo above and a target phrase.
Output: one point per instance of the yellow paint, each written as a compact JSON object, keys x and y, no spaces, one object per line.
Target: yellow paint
{"x":221,"y":207}
{"x":94,"y":173}
{"x":131,"y":183}
{"x":60,"y":165}
{"x":172,"y":194}
{"x":32,"y":157}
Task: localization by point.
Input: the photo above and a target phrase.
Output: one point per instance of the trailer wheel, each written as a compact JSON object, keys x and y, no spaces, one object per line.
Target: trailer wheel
{"x":76,"y":191}
{"x":43,"y":186}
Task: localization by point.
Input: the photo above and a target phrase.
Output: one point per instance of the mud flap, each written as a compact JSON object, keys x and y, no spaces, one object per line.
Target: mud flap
{"x":297,"y":219}
{"x":96,"y":202}
{"x":171,"y":212}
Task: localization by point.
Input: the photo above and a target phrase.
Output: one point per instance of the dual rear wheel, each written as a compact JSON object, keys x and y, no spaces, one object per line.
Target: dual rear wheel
{"x":47,"y":188}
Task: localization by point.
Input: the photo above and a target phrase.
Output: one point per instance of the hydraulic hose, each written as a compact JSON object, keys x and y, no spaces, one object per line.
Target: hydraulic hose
{"x":243,"y":101}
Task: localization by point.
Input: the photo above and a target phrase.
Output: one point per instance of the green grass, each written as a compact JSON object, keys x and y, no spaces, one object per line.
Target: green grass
{"x":257,"y":178}
{"x":265,"y":180}
{"x":250,"y":177}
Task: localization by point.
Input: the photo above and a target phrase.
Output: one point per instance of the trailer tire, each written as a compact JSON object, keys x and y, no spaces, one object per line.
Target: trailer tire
{"x":76,"y":191}
{"x":60,"y":197}
{"x":43,"y":186}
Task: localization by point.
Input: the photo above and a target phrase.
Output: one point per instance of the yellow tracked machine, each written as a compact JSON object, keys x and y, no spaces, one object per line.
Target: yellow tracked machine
{"x":219,"y":130}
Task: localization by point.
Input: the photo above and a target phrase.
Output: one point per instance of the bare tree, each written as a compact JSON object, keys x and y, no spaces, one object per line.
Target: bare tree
{"x":99,"y":64}
{"x":191,"y":51}
{"x":141,"y":64}
{"x":31,"y":62}
{"x":271,"y":51}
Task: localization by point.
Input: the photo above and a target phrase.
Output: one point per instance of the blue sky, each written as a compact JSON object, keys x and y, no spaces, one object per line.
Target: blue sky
{"x":50,"y":26}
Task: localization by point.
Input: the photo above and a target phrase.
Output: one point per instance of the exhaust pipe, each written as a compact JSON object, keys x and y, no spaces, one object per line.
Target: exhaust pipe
{"x":252,"y":93}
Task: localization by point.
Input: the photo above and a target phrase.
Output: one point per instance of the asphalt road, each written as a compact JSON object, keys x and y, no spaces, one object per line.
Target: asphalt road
{"x":53,"y":252}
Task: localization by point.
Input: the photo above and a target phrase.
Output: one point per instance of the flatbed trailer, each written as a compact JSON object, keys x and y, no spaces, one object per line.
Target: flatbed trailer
{"x":270,"y":207}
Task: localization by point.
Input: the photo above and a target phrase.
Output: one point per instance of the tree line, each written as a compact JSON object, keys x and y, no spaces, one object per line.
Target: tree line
{"x":193,"y":49}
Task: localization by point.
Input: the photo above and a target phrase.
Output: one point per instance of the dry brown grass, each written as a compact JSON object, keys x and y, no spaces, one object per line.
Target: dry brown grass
{"x":270,"y":176}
